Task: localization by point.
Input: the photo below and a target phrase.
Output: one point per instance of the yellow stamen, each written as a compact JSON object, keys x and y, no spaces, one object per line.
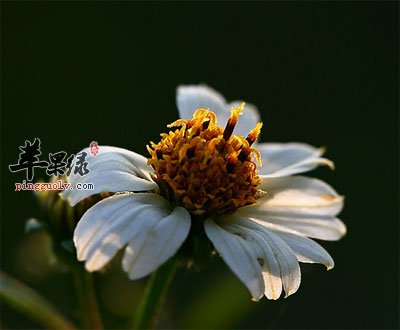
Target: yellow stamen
{"x":254,"y":133}
{"x":200,"y":166}
{"x":232,"y":121}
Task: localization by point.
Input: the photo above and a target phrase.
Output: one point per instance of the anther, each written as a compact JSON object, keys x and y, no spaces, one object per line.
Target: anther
{"x":251,"y":138}
{"x":177,"y":123}
{"x":232,"y":121}
{"x":254,"y":133}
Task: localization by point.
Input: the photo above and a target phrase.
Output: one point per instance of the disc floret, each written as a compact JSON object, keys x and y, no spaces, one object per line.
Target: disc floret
{"x":203,"y":167}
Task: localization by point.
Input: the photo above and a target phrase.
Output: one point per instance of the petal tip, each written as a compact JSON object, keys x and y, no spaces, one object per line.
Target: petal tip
{"x":290,"y":292}
{"x":327,"y":162}
{"x":329,"y":266}
{"x":273,"y":297}
{"x":322,"y":150}
{"x":343,"y":229}
{"x":89,"y":266}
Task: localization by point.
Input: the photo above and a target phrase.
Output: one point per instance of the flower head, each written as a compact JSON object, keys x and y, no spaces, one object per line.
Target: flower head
{"x":260,"y":219}
{"x":202,"y":167}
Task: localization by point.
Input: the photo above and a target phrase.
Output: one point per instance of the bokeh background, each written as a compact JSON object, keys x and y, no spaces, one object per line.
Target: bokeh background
{"x":325,"y":73}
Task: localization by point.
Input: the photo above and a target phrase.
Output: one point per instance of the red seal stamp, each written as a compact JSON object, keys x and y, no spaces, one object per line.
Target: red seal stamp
{"x":94,"y":148}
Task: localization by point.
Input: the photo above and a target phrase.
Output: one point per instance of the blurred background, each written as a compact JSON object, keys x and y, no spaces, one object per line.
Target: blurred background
{"x":325,"y":73}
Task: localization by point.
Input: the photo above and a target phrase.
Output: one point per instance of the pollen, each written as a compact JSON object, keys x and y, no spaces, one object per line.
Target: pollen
{"x":203,"y":167}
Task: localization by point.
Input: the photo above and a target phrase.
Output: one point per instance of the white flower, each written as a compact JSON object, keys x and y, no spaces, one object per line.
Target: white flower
{"x":260,"y":223}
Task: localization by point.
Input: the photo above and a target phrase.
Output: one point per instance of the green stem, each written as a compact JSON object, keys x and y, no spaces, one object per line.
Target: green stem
{"x":89,"y":310}
{"x":30,"y":303}
{"x":154,"y":295}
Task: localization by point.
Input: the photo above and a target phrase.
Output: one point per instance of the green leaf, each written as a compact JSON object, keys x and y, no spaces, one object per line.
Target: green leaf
{"x":31,"y":304}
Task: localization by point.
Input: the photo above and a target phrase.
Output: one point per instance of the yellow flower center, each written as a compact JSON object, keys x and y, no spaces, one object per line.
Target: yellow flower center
{"x":201,"y":166}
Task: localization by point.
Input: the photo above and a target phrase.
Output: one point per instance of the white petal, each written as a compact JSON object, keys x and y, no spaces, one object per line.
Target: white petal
{"x":285,"y":257}
{"x":307,"y":250}
{"x":284,"y":159}
{"x":239,"y":255}
{"x":99,"y":216}
{"x":112,"y":170}
{"x":113,"y":222}
{"x":192,"y":97}
{"x":324,"y":228}
{"x":307,"y":206}
{"x":270,"y":267}
{"x":156,"y":243}
{"x":109,"y":216}
{"x":123,"y":224}
{"x":299,"y":195}
{"x":247,"y":121}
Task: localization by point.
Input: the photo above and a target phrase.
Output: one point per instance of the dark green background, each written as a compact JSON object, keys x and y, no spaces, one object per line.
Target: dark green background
{"x":325,"y":73}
